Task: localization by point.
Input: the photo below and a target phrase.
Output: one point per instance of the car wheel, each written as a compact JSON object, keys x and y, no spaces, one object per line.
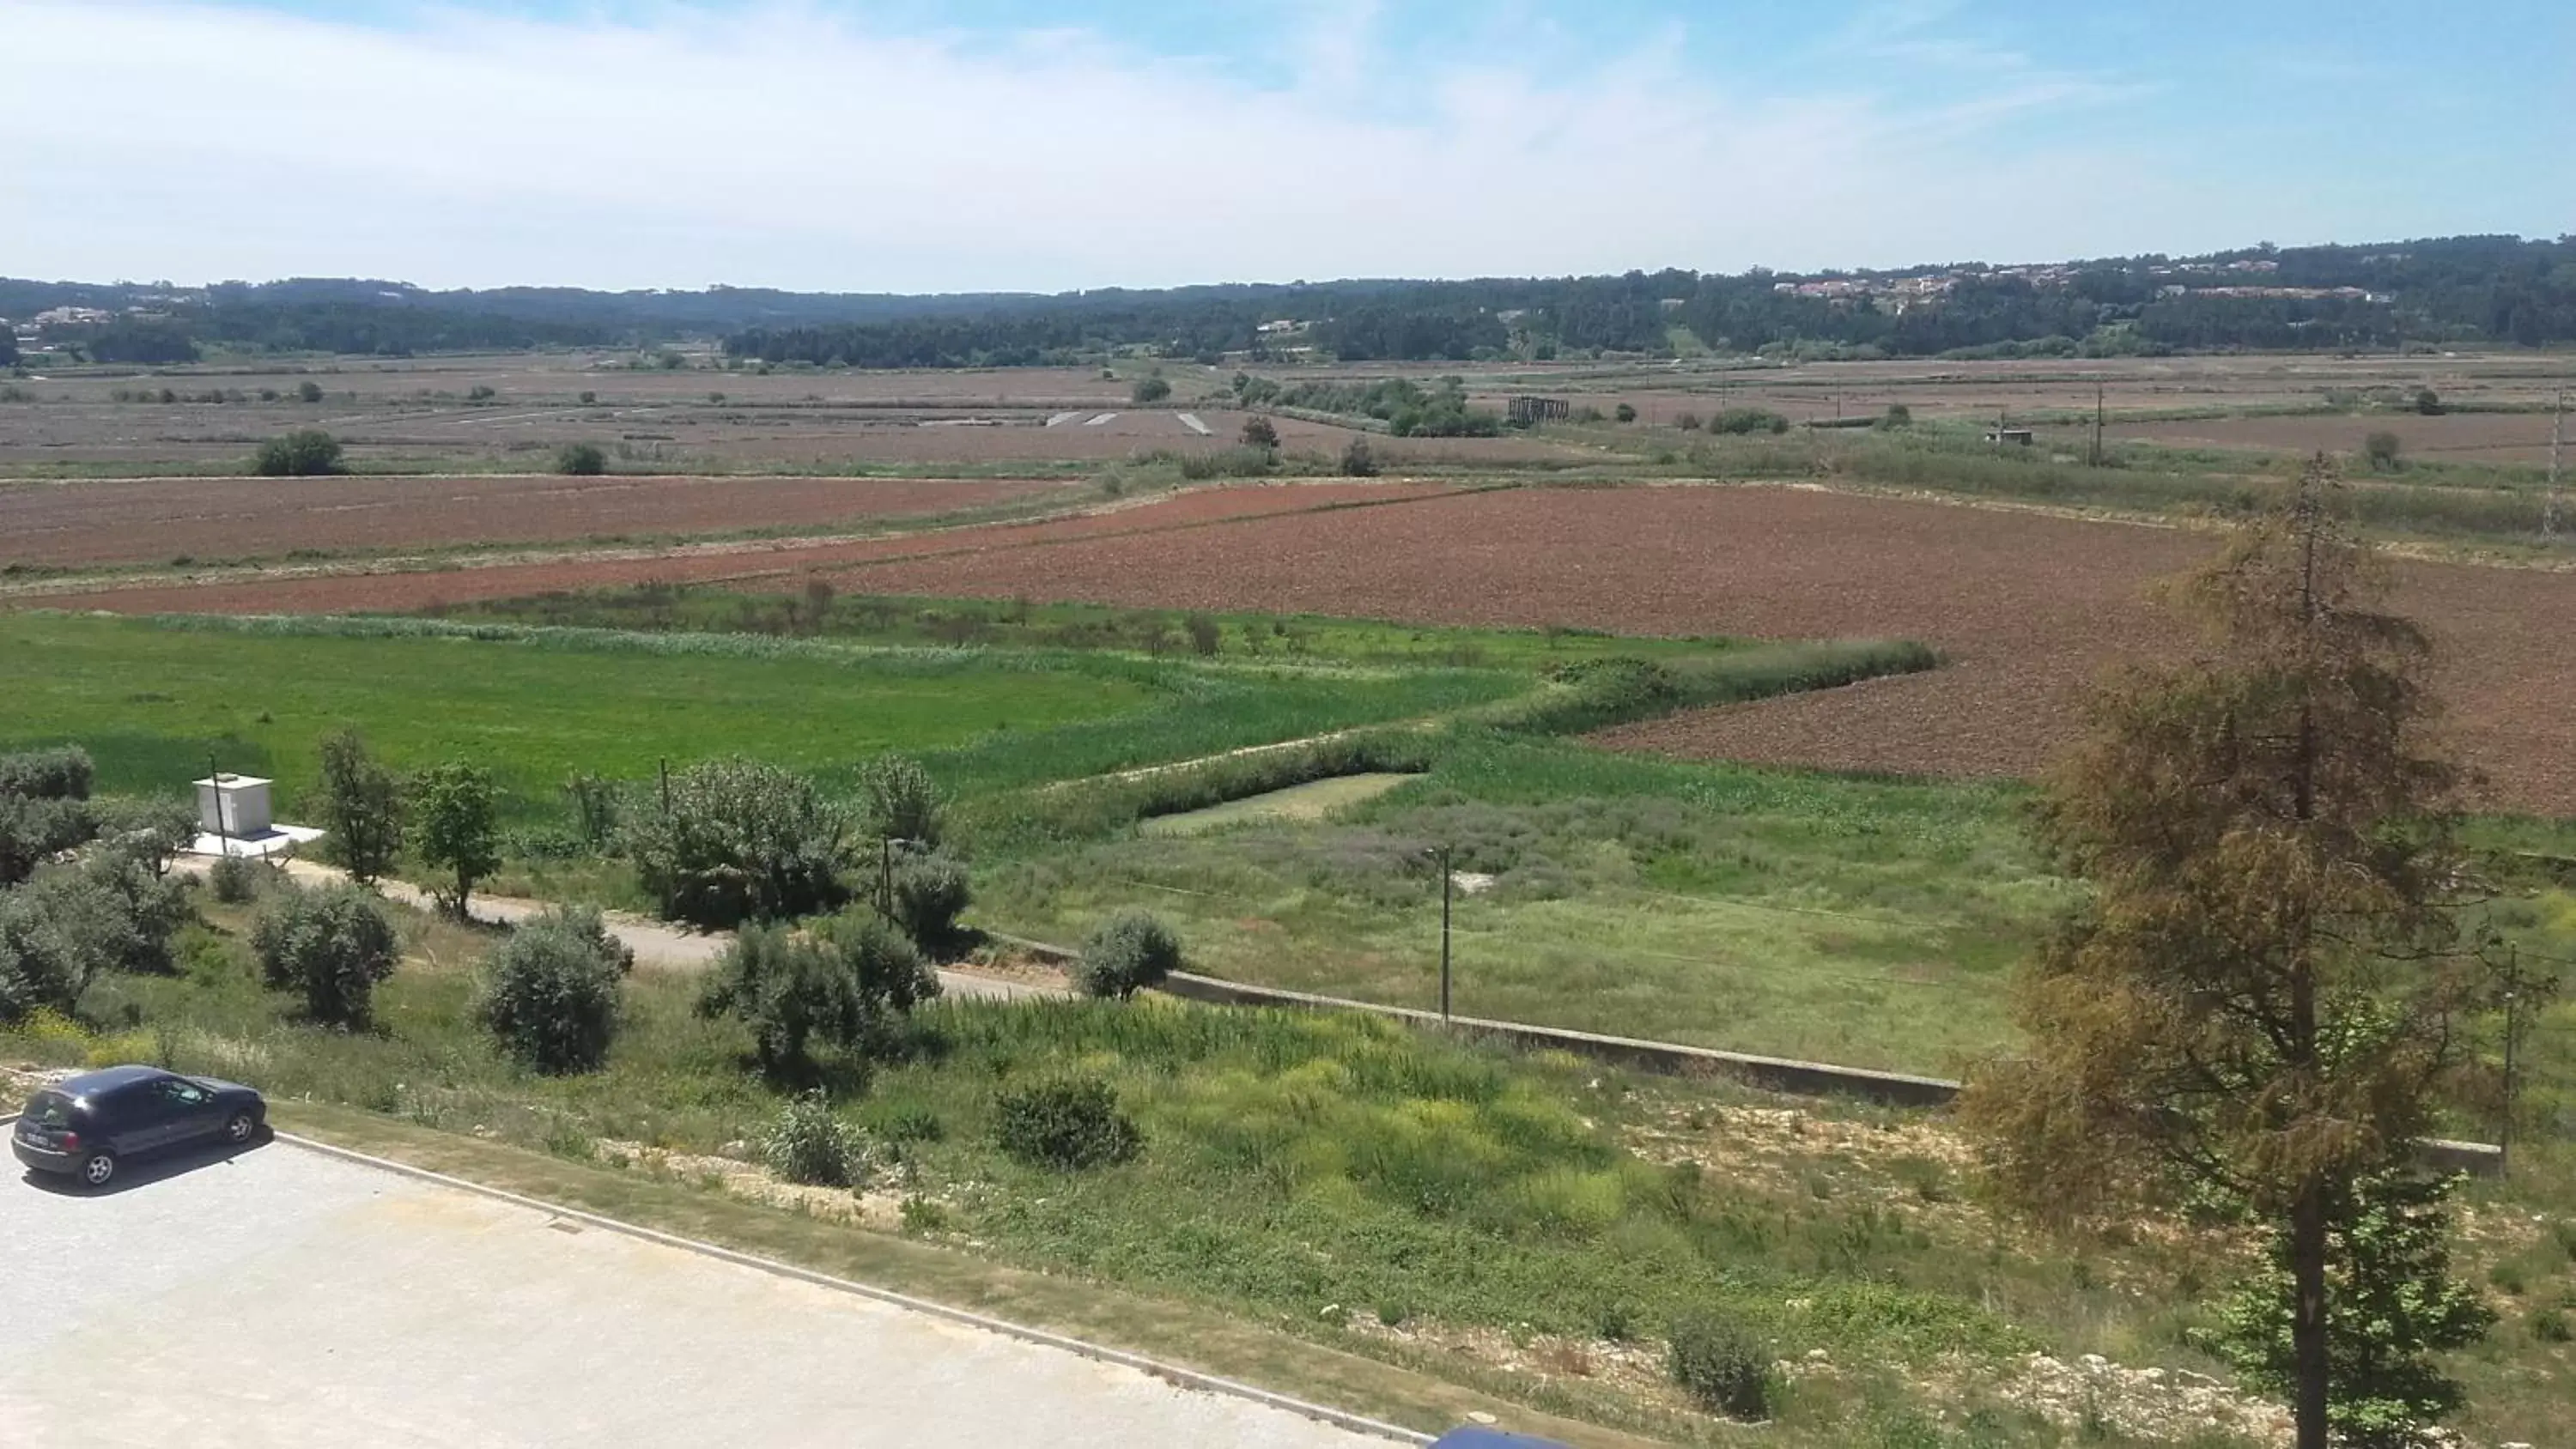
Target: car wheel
{"x":240,"y":1129}
{"x":97,"y":1168}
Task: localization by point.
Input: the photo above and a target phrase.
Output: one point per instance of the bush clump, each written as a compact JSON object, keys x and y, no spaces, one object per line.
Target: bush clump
{"x":902,"y":801}
{"x":846,"y":983}
{"x":1069,"y":1123}
{"x":581,"y":460}
{"x":740,"y":841}
{"x":57,"y":774}
{"x":234,"y":879}
{"x":1358,"y":459}
{"x":331,"y":946}
{"x":930,"y":893}
{"x":304,"y":453}
{"x":808,"y":1144}
{"x":1129,"y":952}
{"x":1723,"y":1367}
{"x":550,"y":994}
{"x":2382,"y":449}
{"x":1749,"y":420}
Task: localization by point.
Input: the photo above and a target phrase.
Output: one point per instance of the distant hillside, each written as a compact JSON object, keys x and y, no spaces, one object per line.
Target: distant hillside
{"x":2445,"y":291}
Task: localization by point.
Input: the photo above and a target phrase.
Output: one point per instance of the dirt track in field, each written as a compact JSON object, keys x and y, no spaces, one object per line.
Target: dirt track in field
{"x":158,"y":519}
{"x":2027,"y":608}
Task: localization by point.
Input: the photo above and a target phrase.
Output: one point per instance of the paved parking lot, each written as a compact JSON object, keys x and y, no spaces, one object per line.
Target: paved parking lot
{"x":280,"y":1297}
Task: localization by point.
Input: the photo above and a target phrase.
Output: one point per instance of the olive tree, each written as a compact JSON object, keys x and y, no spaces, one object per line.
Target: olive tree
{"x":330,"y":946}
{"x":844,"y":984}
{"x":550,"y":994}
{"x":1128,"y":953}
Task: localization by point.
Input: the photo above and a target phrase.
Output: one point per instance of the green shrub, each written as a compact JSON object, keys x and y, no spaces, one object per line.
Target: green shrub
{"x":1260,"y":432}
{"x":1687,"y":422}
{"x":234,"y":879}
{"x":2382,"y":449}
{"x":913,"y":1124}
{"x":1749,"y":420}
{"x":331,"y":946}
{"x":75,"y":922}
{"x":550,"y":993}
{"x":1625,"y":412}
{"x":808,"y":1144}
{"x":2428,"y":402}
{"x":845,"y":984}
{"x":1150,"y":390}
{"x":455,"y":812}
{"x":308,"y":391}
{"x":581,"y":460}
{"x":902,"y":801}
{"x":1898,"y":415}
{"x":930,"y":893}
{"x":1068,"y":1124}
{"x":56,"y":774}
{"x":152,"y":830}
{"x":595,"y":809}
{"x":741,"y":841}
{"x":2550,"y":1325}
{"x":33,"y":830}
{"x":1722,"y":1367}
{"x":1126,"y":954}
{"x":1358,"y":461}
{"x":306,"y":452}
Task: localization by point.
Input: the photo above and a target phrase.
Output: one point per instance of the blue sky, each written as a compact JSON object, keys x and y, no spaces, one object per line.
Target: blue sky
{"x":911,"y":145}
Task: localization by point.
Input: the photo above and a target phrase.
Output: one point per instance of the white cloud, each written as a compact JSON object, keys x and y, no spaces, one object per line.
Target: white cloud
{"x":780,"y":146}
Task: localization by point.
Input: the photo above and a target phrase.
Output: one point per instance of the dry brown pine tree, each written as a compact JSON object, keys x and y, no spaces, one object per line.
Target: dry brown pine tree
{"x":2263,"y":991}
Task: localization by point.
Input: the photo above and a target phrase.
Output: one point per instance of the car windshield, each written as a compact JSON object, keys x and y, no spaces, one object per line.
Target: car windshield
{"x":48,"y":1109}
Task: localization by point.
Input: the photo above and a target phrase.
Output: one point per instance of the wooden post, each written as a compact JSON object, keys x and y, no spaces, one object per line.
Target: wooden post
{"x":1444,"y":933}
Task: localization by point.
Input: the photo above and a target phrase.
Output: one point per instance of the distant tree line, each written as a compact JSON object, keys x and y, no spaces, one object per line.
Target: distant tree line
{"x":2448,"y":290}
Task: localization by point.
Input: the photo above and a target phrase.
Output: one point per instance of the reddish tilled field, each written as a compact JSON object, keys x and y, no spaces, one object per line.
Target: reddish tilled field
{"x":156,"y":520}
{"x":2026,"y":607}
{"x":403,"y":590}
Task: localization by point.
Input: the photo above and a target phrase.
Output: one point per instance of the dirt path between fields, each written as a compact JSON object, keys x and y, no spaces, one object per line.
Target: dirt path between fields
{"x":659,"y":946}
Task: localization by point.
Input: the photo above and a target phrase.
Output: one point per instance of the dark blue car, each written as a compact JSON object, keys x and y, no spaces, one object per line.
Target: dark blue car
{"x":89,"y":1124}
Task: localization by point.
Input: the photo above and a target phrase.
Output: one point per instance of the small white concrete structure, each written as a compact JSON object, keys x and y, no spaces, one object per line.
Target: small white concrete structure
{"x":233,"y":819}
{"x":233,"y":805}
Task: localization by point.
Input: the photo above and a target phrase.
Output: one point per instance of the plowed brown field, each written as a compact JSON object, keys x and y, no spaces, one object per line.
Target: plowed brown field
{"x":2027,"y":608}
{"x":401,"y":589}
{"x":158,"y":519}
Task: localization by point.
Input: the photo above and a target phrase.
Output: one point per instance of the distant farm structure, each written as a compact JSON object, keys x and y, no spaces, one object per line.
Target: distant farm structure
{"x":1528,"y":410}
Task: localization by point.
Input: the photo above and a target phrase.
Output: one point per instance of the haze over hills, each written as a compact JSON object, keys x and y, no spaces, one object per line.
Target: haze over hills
{"x":2480,"y":290}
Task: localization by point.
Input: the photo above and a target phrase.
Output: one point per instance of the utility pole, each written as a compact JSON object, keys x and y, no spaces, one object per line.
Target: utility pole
{"x":2557,"y":440}
{"x":215,"y":780}
{"x":1441,"y":854}
{"x":2512,"y":1029}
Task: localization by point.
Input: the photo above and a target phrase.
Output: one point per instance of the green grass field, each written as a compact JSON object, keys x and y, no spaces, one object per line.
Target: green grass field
{"x":151,"y":699}
{"x":1867,"y":922}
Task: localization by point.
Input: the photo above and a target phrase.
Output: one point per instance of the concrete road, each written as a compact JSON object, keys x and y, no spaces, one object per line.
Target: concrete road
{"x":278,"y":1297}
